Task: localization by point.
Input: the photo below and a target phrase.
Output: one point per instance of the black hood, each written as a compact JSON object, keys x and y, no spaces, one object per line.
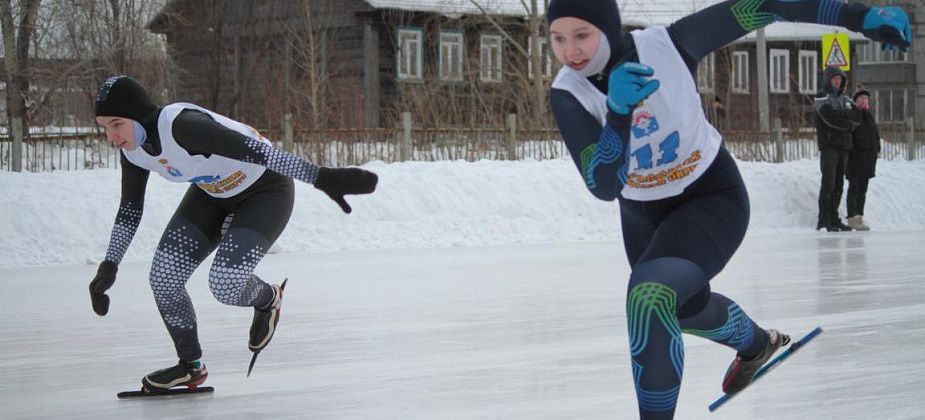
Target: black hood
{"x":123,"y":96}
{"x":831,"y":72}
{"x":603,"y":14}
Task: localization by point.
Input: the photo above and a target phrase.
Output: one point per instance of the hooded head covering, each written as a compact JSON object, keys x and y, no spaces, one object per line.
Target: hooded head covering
{"x":122,"y":96}
{"x":831,"y":72}
{"x":605,"y":16}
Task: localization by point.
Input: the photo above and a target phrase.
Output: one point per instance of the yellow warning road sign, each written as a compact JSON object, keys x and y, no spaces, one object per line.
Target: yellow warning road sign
{"x":835,"y":51}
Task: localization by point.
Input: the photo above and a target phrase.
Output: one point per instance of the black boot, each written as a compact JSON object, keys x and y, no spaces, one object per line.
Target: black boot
{"x":841,"y":226}
{"x":265,"y":319}
{"x":189,"y":374}
{"x":742,"y":370}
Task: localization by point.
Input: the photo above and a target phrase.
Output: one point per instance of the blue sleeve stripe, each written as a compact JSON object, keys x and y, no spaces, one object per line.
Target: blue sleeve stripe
{"x":829,"y":11}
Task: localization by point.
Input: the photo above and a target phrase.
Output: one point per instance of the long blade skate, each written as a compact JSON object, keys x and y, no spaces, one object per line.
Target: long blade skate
{"x":250,"y":367}
{"x":770,"y":365}
{"x":166,"y":392}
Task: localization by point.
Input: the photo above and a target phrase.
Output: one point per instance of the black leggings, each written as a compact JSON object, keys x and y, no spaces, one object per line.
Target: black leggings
{"x":675,"y":246}
{"x":242,"y":227}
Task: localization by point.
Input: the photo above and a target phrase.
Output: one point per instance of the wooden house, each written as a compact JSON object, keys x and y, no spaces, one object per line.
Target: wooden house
{"x":354,"y":63}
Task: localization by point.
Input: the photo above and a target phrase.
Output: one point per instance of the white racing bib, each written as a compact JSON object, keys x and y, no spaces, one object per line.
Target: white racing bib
{"x":671,"y":143}
{"x":216,"y":175}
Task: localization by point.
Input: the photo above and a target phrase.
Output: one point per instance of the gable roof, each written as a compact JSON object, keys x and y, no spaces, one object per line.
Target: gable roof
{"x":455,"y":8}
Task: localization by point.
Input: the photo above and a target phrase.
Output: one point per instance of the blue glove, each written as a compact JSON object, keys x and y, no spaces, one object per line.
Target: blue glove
{"x":629,"y":84}
{"x":889,"y":26}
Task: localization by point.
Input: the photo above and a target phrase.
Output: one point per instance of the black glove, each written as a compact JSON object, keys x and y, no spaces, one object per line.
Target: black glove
{"x":105,"y":277}
{"x":336,"y":182}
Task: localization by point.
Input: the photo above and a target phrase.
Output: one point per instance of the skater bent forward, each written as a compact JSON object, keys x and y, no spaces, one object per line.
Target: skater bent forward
{"x":238,"y":203}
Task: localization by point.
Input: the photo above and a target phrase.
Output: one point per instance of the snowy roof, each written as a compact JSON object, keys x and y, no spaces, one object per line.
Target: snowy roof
{"x":458,"y":7}
{"x":633,"y":12}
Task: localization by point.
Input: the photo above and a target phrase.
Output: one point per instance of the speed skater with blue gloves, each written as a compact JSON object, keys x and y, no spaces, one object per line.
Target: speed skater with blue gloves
{"x":628,"y":109}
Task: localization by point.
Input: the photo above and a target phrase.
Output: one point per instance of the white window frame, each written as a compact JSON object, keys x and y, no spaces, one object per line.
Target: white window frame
{"x":706,"y":74}
{"x":779,"y":78}
{"x":491,"y":67}
{"x":740,"y":72}
{"x":870,"y":52}
{"x":406,"y":66}
{"x":544,"y":55}
{"x":809,"y":77}
{"x":450,"y":53}
{"x":889,"y":113}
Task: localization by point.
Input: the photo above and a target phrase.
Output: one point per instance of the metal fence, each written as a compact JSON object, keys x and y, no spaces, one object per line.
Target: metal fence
{"x":783,"y":147}
{"x":71,"y":151}
{"x":61,"y":151}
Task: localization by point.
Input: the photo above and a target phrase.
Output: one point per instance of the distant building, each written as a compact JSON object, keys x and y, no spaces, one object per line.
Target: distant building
{"x":353,"y":63}
{"x":450,"y":65}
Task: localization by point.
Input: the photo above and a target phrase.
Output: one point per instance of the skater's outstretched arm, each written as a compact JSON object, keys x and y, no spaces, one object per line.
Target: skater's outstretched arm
{"x":701,"y":33}
{"x":134,"y":182}
{"x":198,"y":133}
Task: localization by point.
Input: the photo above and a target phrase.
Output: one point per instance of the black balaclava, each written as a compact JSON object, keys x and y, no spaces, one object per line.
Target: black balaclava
{"x":604,"y":15}
{"x":122,"y":96}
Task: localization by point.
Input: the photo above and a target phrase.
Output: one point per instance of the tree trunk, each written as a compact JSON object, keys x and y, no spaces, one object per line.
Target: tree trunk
{"x":536,"y":59}
{"x":16,"y":53}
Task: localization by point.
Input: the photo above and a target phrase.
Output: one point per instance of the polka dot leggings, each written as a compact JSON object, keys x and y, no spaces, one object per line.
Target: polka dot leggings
{"x":242,"y":228}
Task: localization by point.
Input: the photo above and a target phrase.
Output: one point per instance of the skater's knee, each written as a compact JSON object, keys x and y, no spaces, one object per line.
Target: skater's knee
{"x":227,"y":285}
{"x":678,"y":274}
{"x":165,"y":278}
{"x":695,"y":304}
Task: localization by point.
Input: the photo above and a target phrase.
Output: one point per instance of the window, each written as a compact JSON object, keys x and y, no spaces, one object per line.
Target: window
{"x":870,"y":52}
{"x":451,"y":56}
{"x":780,"y":74}
{"x":490,"y":54}
{"x":740,"y":72}
{"x":705,"y":72}
{"x":809,"y":72}
{"x":409,"y":60}
{"x":890,"y":105}
{"x":544,"y":57}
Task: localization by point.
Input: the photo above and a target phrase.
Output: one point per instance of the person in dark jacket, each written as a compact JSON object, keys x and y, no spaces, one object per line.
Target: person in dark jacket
{"x":862,"y":161}
{"x":836,"y":117}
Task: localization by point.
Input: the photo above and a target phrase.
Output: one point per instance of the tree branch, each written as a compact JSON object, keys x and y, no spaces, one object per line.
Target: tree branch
{"x":497,"y":26}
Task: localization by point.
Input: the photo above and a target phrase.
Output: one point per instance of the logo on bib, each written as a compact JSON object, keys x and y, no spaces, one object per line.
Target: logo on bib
{"x":170,"y":169}
{"x":205,"y":179}
{"x":644,"y":124}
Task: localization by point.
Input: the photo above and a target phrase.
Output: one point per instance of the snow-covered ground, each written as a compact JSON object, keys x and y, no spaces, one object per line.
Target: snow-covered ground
{"x":66,"y":217}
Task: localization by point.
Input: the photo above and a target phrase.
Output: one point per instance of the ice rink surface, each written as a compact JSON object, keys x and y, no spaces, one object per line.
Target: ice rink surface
{"x":506,"y":332}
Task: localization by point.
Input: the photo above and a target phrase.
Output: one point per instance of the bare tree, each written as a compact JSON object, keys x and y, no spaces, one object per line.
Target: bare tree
{"x":309,"y":52}
{"x":18,"y":28}
{"x":536,"y":57}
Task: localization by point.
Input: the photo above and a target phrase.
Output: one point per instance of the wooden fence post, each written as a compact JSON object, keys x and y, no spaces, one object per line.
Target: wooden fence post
{"x":777,"y":139}
{"x":406,"y":144}
{"x":287,"y":134}
{"x":910,"y":138}
{"x":16,"y":135}
{"x":511,"y":144}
